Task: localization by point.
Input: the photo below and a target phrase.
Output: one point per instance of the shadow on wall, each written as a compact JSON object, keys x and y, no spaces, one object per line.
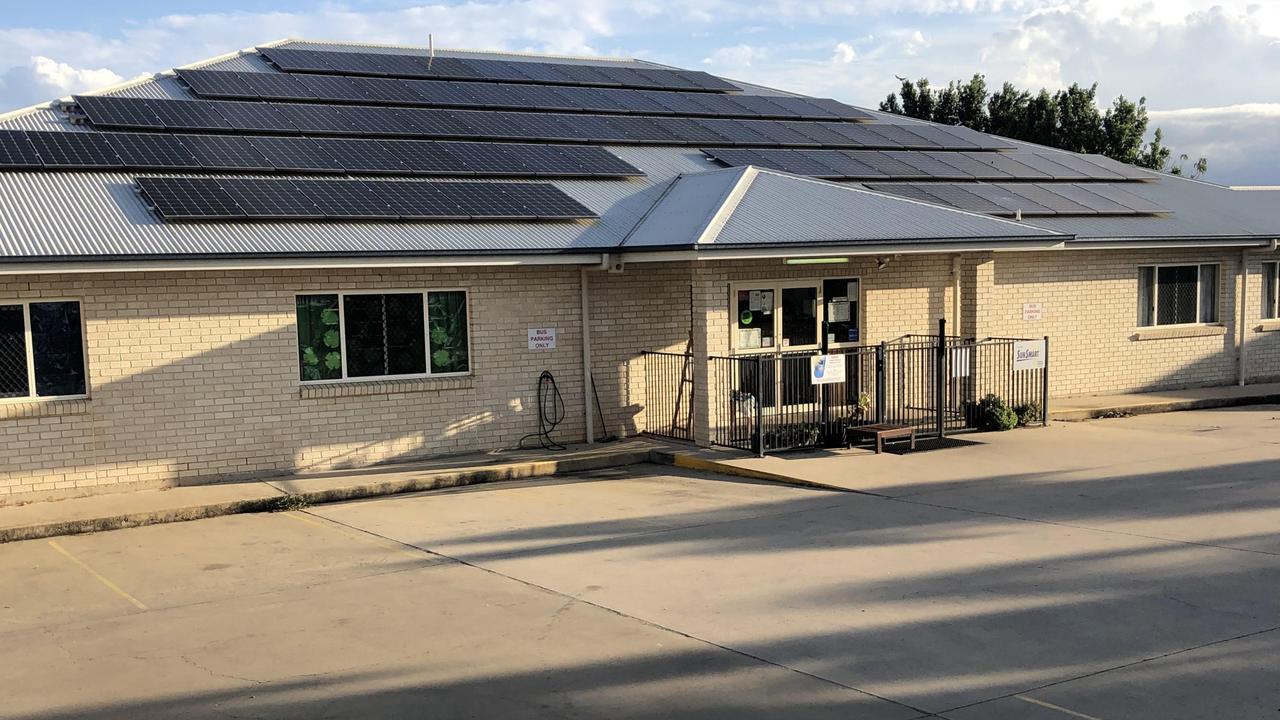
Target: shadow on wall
{"x":944,"y":622}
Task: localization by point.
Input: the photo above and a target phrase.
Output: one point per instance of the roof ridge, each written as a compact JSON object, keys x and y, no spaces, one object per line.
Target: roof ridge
{"x":476,"y":51}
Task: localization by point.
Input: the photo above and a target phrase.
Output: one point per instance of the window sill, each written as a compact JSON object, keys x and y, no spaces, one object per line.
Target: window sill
{"x":29,"y":408}
{"x":385,"y":387}
{"x":1268,"y":326}
{"x":1185,"y":331}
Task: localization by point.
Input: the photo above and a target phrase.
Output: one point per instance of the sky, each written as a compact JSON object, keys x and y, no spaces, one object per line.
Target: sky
{"x":1210,"y":71}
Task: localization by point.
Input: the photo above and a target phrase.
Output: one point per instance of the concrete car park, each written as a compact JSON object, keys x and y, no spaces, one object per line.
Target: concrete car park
{"x":1114,"y":569}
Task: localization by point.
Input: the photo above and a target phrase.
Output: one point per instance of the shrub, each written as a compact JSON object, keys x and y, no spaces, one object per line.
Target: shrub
{"x":994,"y":414}
{"x":1028,"y":413}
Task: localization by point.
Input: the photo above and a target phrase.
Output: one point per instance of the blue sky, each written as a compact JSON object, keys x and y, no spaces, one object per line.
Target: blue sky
{"x":1207,"y":69}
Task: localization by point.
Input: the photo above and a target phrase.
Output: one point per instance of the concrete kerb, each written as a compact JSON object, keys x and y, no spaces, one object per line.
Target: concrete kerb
{"x":1162,"y":406}
{"x":284,"y":500}
{"x":690,"y":461}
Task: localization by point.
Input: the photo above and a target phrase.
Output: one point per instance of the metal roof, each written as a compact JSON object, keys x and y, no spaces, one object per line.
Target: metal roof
{"x":685,"y":200}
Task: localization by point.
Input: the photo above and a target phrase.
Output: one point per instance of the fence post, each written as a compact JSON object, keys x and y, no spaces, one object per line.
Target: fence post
{"x":1044,"y":386}
{"x":880,"y":382}
{"x":940,"y":379}
{"x":759,"y":407}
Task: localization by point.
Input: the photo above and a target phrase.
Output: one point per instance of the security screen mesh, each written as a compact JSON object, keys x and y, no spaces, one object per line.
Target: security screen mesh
{"x":13,"y":353}
{"x":58,"y":348}
{"x":1176,"y":290}
{"x":385,"y":335}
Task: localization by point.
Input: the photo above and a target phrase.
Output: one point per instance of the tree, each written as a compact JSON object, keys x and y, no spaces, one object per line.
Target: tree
{"x":1068,"y":119}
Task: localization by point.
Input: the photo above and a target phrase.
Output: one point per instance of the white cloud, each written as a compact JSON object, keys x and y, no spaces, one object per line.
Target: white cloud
{"x":734,"y":58}
{"x":844,"y":53}
{"x":48,"y":71}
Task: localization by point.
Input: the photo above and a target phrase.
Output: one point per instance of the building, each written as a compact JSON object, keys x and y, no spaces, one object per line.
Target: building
{"x":313,"y":256}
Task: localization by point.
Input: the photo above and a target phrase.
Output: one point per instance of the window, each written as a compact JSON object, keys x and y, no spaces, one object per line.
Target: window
{"x":793,"y":315}
{"x":41,"y":350}
{"x":354,"y":336}
{"x":1271,"y":290}
{"x":1177,"y":294}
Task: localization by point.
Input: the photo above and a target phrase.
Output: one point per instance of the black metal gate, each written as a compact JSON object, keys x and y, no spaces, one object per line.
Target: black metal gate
{"x":768,"y":403}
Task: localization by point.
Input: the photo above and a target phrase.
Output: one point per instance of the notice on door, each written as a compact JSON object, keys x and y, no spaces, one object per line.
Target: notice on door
{"x":826,"y":369}
{"x":542,"y":338}
{"x":1028,"y":355}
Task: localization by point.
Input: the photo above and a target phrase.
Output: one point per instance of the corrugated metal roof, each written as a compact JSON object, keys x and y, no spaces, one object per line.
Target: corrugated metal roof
{"x":81,"y":214}
{"x":780,"y":209}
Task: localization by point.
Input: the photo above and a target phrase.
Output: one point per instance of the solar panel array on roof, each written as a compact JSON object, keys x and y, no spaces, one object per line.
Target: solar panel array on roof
{"x":545,"y":73}
{"x":514,"y":96}
{"x":178,"y":199}
{"x":1028,"y":199}
{"x":378,"y":121}
{"x":221,"y":153}
{"x":911,"y":165}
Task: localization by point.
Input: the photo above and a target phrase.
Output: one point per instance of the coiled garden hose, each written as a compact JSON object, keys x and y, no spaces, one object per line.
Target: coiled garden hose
{"x":550,"y":413}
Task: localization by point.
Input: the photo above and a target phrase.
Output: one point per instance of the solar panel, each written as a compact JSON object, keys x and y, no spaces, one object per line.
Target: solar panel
{"x":319,"y":119}
{"x":818,"y":132}
{"x":188,"y":115}
{"x":396,"y":65}
{"x":1011,"y":202}
{"x":847,"y":163}
{"x":977,"y":164}
{"x":16,"y":151}
{"x":738,"y":132}
{"x":362,"y":156}
{"x":1125,"y":170}
{"x":689,"y":130}
{"x":928,"y":165}
{"x":882,"y":163}
{"x":346,"y":199}
{"x":270,"y":199}
{"x":216,"y":83}
{"x":779,"y":133}
{"x":387,"y":90}
{"x":960,"y":197}
{"x":898,"y":136}
{"x":295,"y":154}
{"x":735,"y":157}
{"x":1057,"y":171}
{"x":189,"y":199}
{"x":909,"y":191}
{"x":333,"y":88}
{"x":118,"y":112}
{"x":983,"y":141}
{"x":427,"y":157}
{"x":436,"y":123}
{"x":798,"y":162}
{"x":296,"y":60}
{"x":253,"y":117}
{"x":1042,"y":195}
{"x":276,"y":86}
{"x":1095,"y":202}
{"x":385,"y":121}
{"x":1088,"y":169}
{"x":1127,"y":196}
{"x":74,"y":150}
{"x":540,"y":200}
{"x":152,"y":151}
{"x":225,"y":152}
{"x":440,"y":92}
{"x":419,"y":201}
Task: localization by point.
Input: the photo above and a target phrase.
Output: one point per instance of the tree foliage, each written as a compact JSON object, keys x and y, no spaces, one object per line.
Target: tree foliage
{"x":1068,"y":119}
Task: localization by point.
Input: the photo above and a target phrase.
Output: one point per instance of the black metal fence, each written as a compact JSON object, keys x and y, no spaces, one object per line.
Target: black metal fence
{"x":767,"y":403}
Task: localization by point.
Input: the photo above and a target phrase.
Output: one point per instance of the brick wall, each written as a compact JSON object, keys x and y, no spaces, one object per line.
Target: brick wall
{"x":194,"y":377}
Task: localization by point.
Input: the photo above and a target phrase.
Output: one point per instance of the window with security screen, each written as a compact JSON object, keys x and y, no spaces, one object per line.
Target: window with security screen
{"x":365,"y":336}
{"x":1271,"y":290}
{"x":41,"y":350}
{"x":1177,"y":294}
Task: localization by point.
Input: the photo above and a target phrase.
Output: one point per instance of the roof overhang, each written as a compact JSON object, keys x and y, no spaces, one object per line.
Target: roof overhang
{"x":174,"y":264}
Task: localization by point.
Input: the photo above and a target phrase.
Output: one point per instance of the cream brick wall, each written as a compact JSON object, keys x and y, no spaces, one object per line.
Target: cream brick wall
{"x":1090,"y":303}
{"x":193,"y":377}
{"x":1262,"y":337}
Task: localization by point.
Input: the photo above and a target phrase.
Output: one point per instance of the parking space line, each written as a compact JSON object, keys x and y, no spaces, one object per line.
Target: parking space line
{"x":361,"y":536}
{"x":1059,"y":708}
{"x":97,"y":575}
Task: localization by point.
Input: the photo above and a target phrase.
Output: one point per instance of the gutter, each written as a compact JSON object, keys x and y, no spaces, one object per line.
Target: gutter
{"x":43,"y":267}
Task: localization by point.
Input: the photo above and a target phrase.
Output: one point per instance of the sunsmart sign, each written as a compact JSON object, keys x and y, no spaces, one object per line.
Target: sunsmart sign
{"x":1028,"y":354}
{"x":826,"y":369}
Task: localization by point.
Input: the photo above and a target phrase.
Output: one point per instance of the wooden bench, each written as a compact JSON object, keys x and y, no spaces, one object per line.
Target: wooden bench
{"x":880,"y":433}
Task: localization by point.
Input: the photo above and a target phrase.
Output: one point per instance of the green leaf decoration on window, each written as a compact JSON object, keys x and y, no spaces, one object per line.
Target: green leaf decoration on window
{"x":447,"y":312}
{"x":319,"y":338}
{"x":333,"y":361}
{"x":309,"y":356}
{"x":329,"y":316}
{"x":332,"y":339}
{"x":441,"y":358}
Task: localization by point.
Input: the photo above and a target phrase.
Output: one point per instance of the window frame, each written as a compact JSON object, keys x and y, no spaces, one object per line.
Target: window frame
{"x":1155,"y":294}
{"x":426,"y":330}
{"x":820,"y":316}
{"x":31,"y":355}
{"x":1271,"y":277}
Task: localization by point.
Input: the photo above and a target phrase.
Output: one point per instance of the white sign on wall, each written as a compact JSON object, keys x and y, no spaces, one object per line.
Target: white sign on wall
{"x":1028,"y":354}
{"x":1033,"y":312}
{"x":826,"y":369}
{"x":542,"y":338}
